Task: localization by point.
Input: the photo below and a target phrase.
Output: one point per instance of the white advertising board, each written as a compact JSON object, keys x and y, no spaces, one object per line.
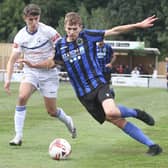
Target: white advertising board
{"x":130,"y":81}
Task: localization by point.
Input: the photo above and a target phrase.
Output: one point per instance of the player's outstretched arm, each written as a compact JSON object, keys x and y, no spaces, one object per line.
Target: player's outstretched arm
{"x":148,"y":22}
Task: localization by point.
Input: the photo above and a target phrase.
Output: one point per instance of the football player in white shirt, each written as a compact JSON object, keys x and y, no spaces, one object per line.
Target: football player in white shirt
{"x":36,"y":42}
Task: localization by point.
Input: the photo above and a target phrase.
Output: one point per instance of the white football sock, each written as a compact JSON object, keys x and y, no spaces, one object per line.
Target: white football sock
{"x":61,"y":115}
{"x":20,"y":114}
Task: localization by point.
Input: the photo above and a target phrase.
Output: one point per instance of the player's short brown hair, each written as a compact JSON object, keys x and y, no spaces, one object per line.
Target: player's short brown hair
{"x":32,"y":10}
{"x":72,"y":18}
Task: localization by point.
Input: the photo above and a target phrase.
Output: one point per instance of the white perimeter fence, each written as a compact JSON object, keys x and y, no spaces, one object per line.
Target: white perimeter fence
{"x":117,"y":79}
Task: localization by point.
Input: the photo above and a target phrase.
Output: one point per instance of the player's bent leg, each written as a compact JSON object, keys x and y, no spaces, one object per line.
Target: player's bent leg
{"x":67,"y":120}
{"x":50,"y":104}
{"x":110,"y":109}
{"x":136,"y":113}
{"x":119,"y":122}
{"x":137,"y":134}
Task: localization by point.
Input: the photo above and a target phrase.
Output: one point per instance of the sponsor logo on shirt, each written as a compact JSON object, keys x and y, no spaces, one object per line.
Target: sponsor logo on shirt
{"x":73,"y":55}
{"x":63,"y":47}
{"x":107,"y":95}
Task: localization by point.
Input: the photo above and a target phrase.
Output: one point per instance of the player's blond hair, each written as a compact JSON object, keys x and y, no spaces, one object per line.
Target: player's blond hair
{"x":32,"y":10}
{"x":72,"y":18}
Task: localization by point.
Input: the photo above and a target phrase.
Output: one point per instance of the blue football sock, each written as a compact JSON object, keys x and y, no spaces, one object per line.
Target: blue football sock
{"x":127,"y":112}
{"x":137,"y":134}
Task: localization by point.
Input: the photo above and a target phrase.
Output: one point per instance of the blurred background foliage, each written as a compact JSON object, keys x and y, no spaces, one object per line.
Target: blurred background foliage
{"x":99,"y":14}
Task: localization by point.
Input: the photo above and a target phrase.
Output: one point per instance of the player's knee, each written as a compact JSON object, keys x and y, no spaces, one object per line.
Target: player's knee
{"x":113,"y":113}
{"x":120,"y":122}
{"x":22,"y":99}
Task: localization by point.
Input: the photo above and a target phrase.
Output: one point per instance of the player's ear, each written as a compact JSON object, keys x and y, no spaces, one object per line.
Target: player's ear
{"x":82,"y":26}
{"x":24,"y":17}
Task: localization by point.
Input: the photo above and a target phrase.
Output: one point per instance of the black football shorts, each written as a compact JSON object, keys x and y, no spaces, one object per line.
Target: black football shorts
{"x":93,"y":101}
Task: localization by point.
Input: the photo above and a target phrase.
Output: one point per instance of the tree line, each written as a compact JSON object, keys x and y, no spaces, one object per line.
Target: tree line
{"x":99,"y":14}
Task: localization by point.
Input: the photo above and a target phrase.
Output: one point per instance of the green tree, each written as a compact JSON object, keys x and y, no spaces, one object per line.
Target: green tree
{"x":84,"y":15}
{"x":131,"y":11}
{"x":100,"y":14}
{"x":90,"y":4}
{"x":60,"y":27}
{"x":53,"y":10}
{"x":85,"y":19}
{"x":162,"y":31}
{"x":11,"y":19}
{"x":99,"y":19}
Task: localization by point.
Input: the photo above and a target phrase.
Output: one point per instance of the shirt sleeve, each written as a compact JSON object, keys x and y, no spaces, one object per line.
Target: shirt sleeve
{"x":57,"y":56}
{"x":53,"y":34}
{"x":16,"y":47}
{"x":94,"y":35}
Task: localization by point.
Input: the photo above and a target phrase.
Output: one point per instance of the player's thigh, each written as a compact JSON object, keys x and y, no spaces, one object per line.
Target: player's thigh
{"x":110,"y":108}
{"x":26,"y":89}
{"x":93,"y":107}
{"x":105,"y":97}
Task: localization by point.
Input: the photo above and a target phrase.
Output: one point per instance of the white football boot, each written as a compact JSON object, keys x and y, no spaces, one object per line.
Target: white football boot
{"x":16,"y":141}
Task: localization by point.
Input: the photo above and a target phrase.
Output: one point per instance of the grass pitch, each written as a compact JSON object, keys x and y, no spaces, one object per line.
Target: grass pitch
{"x":97,"y":146}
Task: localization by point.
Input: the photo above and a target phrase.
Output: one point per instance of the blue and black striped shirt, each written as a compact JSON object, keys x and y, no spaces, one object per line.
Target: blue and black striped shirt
{"x":104,"y":54}
{"x":80,"y":60}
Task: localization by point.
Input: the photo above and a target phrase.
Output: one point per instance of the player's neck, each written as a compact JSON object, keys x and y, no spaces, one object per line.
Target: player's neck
{"x":32,"y":30}
{"x":70,"y":39}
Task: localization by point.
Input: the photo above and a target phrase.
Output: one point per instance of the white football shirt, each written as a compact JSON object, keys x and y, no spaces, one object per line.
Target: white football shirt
{"x":36,"y":46}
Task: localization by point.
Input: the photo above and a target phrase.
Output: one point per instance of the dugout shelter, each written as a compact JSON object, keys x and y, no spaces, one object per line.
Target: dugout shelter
{"x":133,"y":53}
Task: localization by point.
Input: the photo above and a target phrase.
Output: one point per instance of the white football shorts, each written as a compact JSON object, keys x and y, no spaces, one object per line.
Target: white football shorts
{"x":46,"y":81}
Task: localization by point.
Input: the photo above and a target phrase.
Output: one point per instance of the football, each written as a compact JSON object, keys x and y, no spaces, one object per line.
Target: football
{"x":59,"y":149}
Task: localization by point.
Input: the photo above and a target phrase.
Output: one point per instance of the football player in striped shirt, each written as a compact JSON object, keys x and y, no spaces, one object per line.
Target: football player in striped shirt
{"x":77,"y":51}
{"x":106,"y":58}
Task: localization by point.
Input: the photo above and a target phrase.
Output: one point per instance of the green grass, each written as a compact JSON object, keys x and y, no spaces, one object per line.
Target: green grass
{"x":97,"y":146}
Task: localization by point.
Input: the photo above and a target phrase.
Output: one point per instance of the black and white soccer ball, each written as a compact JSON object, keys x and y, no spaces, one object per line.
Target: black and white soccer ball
{"x":59,"y":149}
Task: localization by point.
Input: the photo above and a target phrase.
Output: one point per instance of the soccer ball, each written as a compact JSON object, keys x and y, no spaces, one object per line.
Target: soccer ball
{"x":59,"y":149}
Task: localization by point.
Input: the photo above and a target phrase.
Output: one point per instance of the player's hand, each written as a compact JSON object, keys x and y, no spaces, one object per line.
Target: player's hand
{"x":26,"y":62}
{"x":148,"y":22}
{"x":7,"y":87}
{"x":109,"y":65}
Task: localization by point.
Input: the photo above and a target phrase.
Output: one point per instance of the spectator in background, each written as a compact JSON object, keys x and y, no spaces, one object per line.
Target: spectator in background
{"x":140,"y":68}
{"x":127,"y":69}
{"x":120,"y":69}
{"x":106,"y":58}
{"x":155,"y":73}
{"x":135,"y":72}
